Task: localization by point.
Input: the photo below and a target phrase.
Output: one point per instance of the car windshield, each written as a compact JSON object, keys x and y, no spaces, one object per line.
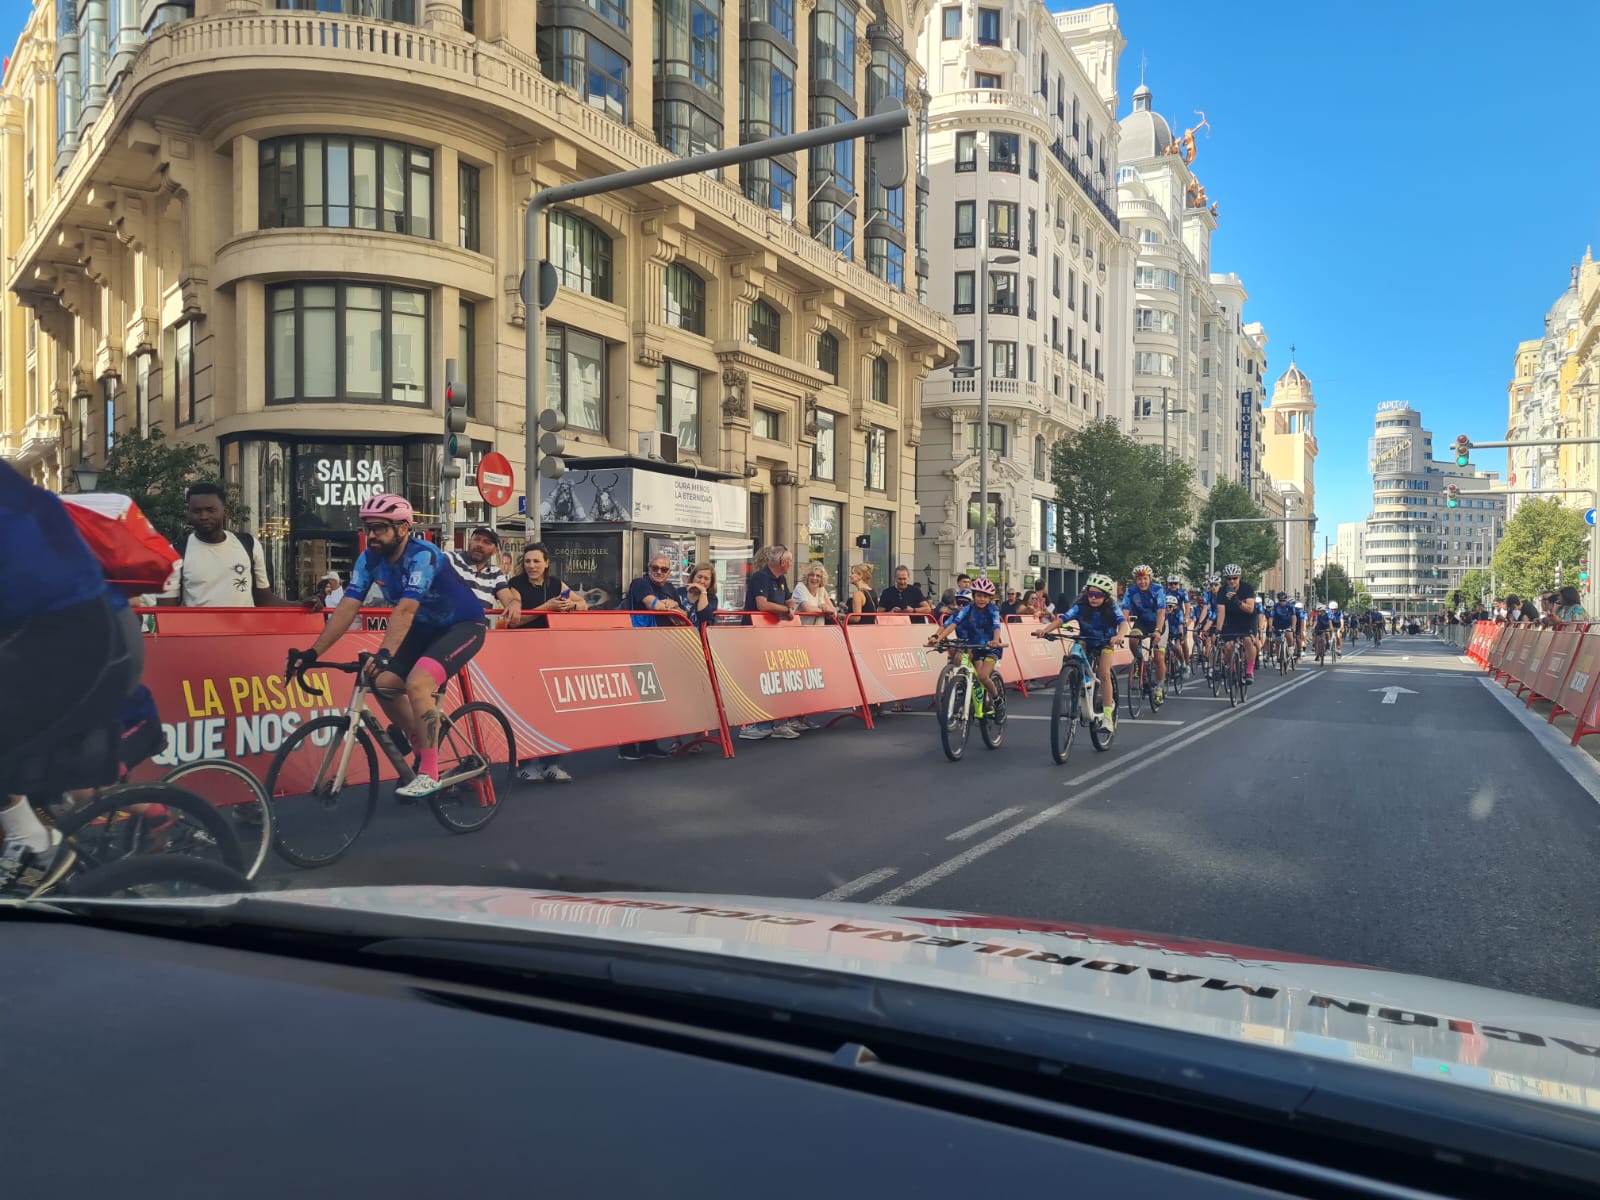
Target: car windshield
{"x":1010,"y":547}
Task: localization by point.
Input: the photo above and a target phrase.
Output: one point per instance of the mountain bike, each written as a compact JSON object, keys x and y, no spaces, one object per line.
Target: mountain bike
{"x":963,"y":699}
{"x":1077,"y":701}
{"x":317,"y":817}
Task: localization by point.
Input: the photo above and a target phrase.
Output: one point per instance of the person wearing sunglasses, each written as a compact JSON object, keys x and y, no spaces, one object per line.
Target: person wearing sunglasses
{"x":436,"y":627}
{"x":1237,"y":601}
{"x":1101,"y":628}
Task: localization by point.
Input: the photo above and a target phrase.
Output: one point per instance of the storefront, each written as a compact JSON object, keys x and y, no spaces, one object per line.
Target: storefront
{"x":604,"y":522}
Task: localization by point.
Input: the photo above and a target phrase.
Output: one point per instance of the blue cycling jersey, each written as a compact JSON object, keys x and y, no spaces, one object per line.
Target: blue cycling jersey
{"x":1321,"y":623}
{"x":978,"y":626}
{"x":1097,"y":625}
{"x":1144,"y":606}
{"x":1175,"y":619}
{"x":1336,"y":617}
{"x":52,"y":566}
{"x":1283,"y":616}
{"x":423,"y":574}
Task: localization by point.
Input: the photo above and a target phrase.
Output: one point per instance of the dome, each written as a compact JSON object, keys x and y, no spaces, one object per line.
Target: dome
{"x":1144,"y":132}
{"x":1294,"y":377}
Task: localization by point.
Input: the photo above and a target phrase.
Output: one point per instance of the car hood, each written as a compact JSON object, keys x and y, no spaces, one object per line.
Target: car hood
{"x":1452,"y":1032}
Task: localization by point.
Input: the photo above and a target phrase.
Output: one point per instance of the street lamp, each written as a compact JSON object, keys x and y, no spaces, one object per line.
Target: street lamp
{"x":86,"y":474}
{"x":982,"y":367}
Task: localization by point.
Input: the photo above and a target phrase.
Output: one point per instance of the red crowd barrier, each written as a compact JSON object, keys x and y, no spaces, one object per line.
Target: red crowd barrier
{"x":772,"y":670}
{"x":1553,"y":668}
{"x":1526,"y":670}
{"x":892,"y":658}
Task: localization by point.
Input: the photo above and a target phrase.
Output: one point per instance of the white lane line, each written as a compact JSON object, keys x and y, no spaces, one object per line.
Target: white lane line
{"x":860,"y":884}
{"x":1153,"y":753}
{"x":962,"y":835}
{"x":1575,"y":762}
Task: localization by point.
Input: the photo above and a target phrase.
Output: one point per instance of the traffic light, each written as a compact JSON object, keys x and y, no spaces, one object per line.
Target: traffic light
{"x":1008,"y":533}
{"x":456,"y":444}
{"x":551,"y":444}
{"x":1452,"y":496}
{"x":1463,"y":450}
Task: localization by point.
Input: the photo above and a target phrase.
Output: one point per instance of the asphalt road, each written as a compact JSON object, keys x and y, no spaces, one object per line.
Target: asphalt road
{"x":1435,"y":834}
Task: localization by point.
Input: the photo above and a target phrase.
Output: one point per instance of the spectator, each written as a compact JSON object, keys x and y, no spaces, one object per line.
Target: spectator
{"x":955,"y":599}
{"x":221,"y":569}
{"x":767,"y":591}
{"x":651,"y":592}
{"x":332,"y":590}
{"x":700,"y":596}
{"x":1013,"y":604}
{"x":904,"y":596}
{"x":479,"y":568}
{"x":537,"y":592}
{"x":862,"y":598}
{"x":1039,"y":601}
{"x":1569,"y":606}
{"x":811,"y":595}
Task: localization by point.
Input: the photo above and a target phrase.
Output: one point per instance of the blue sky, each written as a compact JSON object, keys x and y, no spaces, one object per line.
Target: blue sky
{"x":1403,"y":187}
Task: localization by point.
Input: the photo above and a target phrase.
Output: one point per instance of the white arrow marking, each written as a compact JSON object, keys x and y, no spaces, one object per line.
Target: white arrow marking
{"x":1392,"y":692}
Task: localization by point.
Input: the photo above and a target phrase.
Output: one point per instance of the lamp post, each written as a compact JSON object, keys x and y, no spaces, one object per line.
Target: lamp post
{"x":86,"y":475}
{"x":982,"y":367}
{"x":1167,"y":409}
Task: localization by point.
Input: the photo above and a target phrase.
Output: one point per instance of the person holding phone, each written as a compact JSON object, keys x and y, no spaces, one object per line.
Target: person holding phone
{"x":541,"y":592}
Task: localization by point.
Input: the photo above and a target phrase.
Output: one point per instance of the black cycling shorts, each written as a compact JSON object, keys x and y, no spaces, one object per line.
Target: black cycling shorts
{"x":451,"y":648}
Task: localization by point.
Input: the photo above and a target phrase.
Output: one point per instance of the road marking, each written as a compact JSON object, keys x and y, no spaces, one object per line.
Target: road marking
{"x":1575,"y":762}
{"x":1393,"y":692}
{"x":962,"y":835}
{"x":860,"y":884}
{"x":1114,"y":773}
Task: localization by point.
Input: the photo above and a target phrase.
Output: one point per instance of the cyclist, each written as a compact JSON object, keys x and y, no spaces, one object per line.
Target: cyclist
{"x":1337,"y":617}
{"x":1236,"y":600}
{"x":978,"y":625}
{"x":436,"y":627}
{"x":1146,"y":605}
{"x":1321,"y":631}
{"x":1101,"y":628}
{"x":1177,"y":632}
{"x":1285,"y":621}
{"x":1375,"y":626}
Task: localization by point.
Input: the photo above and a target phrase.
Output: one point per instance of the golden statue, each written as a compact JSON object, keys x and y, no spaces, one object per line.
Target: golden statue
{"x":1185,"y":145}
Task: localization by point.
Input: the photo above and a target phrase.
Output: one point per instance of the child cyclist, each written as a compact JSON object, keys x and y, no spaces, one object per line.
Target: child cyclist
{"x":1102,"y":626}
{"x":978,"y":624}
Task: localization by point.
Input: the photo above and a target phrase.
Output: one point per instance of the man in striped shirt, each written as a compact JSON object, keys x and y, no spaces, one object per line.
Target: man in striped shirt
{"x":479,"y":568}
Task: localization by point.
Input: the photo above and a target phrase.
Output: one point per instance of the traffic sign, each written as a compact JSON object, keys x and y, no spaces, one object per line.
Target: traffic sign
{"x":495,"y":479}
{"x":1589,"y":516}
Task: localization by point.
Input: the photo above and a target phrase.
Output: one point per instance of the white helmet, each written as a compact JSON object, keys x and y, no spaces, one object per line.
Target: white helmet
{"x":1333,"y":606}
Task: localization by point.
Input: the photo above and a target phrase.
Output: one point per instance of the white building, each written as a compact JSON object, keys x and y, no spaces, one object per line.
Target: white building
{"x":1022,"y":146}
{"x":1350,"y":548}
{"x":1536,"y":392}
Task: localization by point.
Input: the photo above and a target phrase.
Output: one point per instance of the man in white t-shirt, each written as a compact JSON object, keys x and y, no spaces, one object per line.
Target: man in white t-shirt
{"x":220,"y":569}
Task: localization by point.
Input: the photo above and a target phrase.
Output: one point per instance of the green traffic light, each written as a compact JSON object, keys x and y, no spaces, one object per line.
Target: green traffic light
{"x":1461,"y":460}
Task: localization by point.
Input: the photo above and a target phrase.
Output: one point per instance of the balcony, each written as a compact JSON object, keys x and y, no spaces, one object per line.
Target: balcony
{"x":1002,"y":241}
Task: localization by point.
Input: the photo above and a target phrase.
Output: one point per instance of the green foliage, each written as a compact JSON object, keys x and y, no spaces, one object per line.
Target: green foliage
{"x":1475,"y":585}
{"x":1121,"y":505}
{"x":1543,"y":533}
{"x":1253,"y":547}
{"x":1333,"y":583}
{"x":156,"y":474}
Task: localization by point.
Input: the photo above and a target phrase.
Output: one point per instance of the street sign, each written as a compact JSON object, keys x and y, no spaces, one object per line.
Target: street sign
{"x":495,"y":479}
{"x":1392,"y":693}
{"x":522,"y":506}
{"x":1589,"y":516}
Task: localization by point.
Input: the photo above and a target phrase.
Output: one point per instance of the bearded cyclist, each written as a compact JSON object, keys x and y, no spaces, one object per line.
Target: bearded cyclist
{"x":1146,"y":605}
{"x":1237,"y":603}
{"x":436,"y":627}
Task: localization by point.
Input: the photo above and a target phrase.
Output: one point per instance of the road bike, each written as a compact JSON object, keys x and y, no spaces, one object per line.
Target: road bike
{"x":1141,"y":674}
{"x":323,"y":792}
{"x":1177,"y":665}
{"x":1077,"y":701}
{"x":1232,"y":670}
{"x":963,"y":699}
{"x":239,"y":796}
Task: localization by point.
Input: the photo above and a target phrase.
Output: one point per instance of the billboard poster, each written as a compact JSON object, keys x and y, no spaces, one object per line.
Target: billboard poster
{"x":590,"y":563}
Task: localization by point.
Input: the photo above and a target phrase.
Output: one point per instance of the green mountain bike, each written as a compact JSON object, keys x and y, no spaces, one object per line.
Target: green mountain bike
{"x":963,"y":700}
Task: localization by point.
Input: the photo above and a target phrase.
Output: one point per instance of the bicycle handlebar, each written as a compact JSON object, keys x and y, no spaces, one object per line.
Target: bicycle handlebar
{"x":299,"y":674}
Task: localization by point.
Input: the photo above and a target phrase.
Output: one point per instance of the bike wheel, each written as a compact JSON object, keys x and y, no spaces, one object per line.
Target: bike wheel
{"x":477,"y":756}
{"x":992,"y":725}
{"x":155,"y":877}
{"x":238,"y":795}
{"x":1064,"y":712}
{"x":148,"y":819}
{"x":955,"y":709}
{"x":1230,"y":673}
{"x":317,"y":818}
{"x":1136,"y":676}
{"x":1214,"y":675}
{"x":1100,"y":733}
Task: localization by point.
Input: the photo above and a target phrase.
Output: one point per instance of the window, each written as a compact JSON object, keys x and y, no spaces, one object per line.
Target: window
{"x":1205,"y":439}
{"x":879,"y":381}
{"x":1055,"y":332}
{"x":183,"y":370}
{"x":1032,"y":376}
{"x":828,"y":356}
{"x":964,"y":355}
{"x":1072,"y":290}
{"x":141,"y":395}
{"x":346,"y":183}
{"x":1146,"y":362}
{"x":777,"y":13}
{"x":404,"y":11}
{"x":1055,"y":275}
{"x":1003,"y":292}
{"x":1205,"y":402}
{"x":468,"y":201}
{"x":765,"y":424}
{"x":108,"y":390}
{"x":887,"y":260}
{"x":1097,"y":303}
{"x":985,"y":80}
{"x":952,"y":23}
{"x":988,"y":27}
{"x":685,"y":299}
{"x":966,"y":287}
{"x":580,"y":253}
{"x":765,"y":326}
{"x":1040,"y":458}
{"x":966,"y":151}
{"x":1205,"y":368}
{"x":1004,"y":153}
{"x":587,"y":65}
{"x":347,"y":342}
{"x":1003,"y":224}
{"x":822,"y":454}
{"x":689,"y":43}
{"x":1205,"y":334}
{"x":833,"y":46}
{"x":767,"y":110}
{"x":1033,"y":295}
{"x":1155,"y":277}
{"x":997,"y":437}
{"x":467,"y":352}
{"x":575,"y":376}
{"x":834,"y":168}
{"x":1002,"y":360}
{"x":877,"y":459}
{"x":678,"y":403}
{"x":684,"y":128}
{"x":966,"y":223}
{"x":769,"y":183}
{"x":1033,"y":159}
{"x":1033,"y":231}
{"x":1152,"y":320}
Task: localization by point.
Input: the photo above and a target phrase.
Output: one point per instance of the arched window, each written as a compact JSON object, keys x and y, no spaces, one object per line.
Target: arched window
{"x":581,"y":254}
{"x":765,"y":326}
{"x":685,"y":299}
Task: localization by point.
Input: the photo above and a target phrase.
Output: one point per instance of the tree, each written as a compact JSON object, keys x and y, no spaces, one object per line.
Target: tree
{"x":1253,"y":547}
{"x":1475,"y":585}
{"x":1121,"y":505}
{"x":157,"y":473}
{"x":1332,"y":583}
{"x":1543,"y":533}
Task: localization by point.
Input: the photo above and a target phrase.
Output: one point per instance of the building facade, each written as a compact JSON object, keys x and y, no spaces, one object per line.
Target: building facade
{"x":270,"y":236}
{"x":1349,"y":549}
{"x":1542,"y":404}
{"x":1291,"y":460}
{"x":1417,"y":548}
{"x":1252,"y":407}
{"x":1021,"y":150}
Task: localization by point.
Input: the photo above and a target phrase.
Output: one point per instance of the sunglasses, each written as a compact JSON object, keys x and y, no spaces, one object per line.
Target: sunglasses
{"x":660,"y":570}
{"x":1092,"y":595}
{"x":377,"y":527}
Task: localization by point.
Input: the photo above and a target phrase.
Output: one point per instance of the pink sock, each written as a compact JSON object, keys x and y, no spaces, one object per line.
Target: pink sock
{"x":429,"y":762}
